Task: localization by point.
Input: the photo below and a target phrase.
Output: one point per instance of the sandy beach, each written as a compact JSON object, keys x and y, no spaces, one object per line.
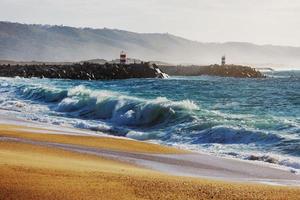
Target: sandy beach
{"x":48,"y":163}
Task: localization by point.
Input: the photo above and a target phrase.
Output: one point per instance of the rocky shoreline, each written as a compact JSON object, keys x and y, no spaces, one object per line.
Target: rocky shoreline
{"x":111,"y":71}
{"x":83,"y":71}
{"x":236,"y":71}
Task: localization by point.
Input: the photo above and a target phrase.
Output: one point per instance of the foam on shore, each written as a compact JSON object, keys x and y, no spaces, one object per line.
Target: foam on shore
{"x":32,"y":172}
{"x":159,"y":158}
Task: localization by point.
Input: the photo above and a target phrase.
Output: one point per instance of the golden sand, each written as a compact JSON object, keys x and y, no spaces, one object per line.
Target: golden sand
{"x":89,"y":141}
{"x":34,"y":172}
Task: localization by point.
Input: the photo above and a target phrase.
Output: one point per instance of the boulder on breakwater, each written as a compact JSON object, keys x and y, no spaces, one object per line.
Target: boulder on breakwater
{"x":83,"y":71}
{"x":236,"y":71}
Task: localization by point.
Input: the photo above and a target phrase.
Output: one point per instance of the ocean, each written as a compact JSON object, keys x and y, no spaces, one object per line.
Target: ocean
{"x":251,"y":119}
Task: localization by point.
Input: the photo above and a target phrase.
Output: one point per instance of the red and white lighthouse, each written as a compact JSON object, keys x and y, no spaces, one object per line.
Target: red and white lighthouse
{"x":123,"y":58}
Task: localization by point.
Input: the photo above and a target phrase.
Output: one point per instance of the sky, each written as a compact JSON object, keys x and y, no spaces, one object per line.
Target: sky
{"x":274,"y":22}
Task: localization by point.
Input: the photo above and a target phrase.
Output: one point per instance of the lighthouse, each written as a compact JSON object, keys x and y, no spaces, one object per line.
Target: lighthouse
{"x":223,"y":60}
{"x":123,"y":58}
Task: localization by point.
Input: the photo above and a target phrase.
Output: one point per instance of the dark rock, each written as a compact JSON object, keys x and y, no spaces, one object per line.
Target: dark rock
{"x":267,"y":159}
{"x":236,"y":71}
{"x":253,"y":157}
{"x":83,"y":71}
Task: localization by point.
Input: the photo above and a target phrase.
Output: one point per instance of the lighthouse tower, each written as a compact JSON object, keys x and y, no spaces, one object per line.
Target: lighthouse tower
{"x":123,"y":58}
{"x":223,"y":60}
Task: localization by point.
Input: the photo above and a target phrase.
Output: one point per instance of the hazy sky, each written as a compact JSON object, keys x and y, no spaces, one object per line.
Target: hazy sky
{"x":258,"y":21}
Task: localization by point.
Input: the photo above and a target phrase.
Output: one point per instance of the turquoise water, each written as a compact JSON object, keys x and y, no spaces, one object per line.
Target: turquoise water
{"x":224,"y":116}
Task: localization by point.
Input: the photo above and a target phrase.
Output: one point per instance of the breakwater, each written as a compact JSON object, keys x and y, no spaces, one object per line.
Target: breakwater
{"x":236,"y":71}
{"x":83,"y":71}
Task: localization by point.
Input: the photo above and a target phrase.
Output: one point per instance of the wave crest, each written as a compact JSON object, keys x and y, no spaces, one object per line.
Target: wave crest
{"x":45,"y":94}
{"x":121,"y":109}
{"x":229,"y":135}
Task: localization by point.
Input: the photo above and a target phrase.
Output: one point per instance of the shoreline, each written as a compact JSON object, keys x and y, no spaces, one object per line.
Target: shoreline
{"x":43,"y":155}
{"x":38,"y":127}
{"x":170,"y":158}
{"x":33,"y":172}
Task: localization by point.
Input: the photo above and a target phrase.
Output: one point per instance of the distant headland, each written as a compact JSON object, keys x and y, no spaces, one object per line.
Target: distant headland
{"x":62,"y":43}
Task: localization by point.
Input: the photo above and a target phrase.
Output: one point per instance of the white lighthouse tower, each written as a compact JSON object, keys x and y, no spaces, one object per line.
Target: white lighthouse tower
{"x":123,"y":58}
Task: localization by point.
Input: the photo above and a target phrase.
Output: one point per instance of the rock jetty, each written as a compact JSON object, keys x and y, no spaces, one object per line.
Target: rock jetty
{"x":83,"y":71}
{"x":236,"y":71}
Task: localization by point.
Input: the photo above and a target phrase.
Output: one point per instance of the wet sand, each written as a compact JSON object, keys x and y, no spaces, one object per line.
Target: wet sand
{"x":42,"y":164}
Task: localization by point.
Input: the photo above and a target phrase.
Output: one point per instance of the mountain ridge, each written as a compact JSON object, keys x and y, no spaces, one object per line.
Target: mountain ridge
{"x":64,"y":43}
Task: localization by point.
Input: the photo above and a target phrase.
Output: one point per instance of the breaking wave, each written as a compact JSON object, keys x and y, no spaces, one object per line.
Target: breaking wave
{"x":231,"y":135}
{"x":46,"y":94}
{"x":120,"y":109}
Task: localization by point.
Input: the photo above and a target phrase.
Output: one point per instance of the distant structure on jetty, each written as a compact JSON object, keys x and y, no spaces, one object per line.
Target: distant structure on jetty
{"x":85,"y":70}
{"x":123,"y":58}
{"x":223,"y":60}
{"x":224,"y":70}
